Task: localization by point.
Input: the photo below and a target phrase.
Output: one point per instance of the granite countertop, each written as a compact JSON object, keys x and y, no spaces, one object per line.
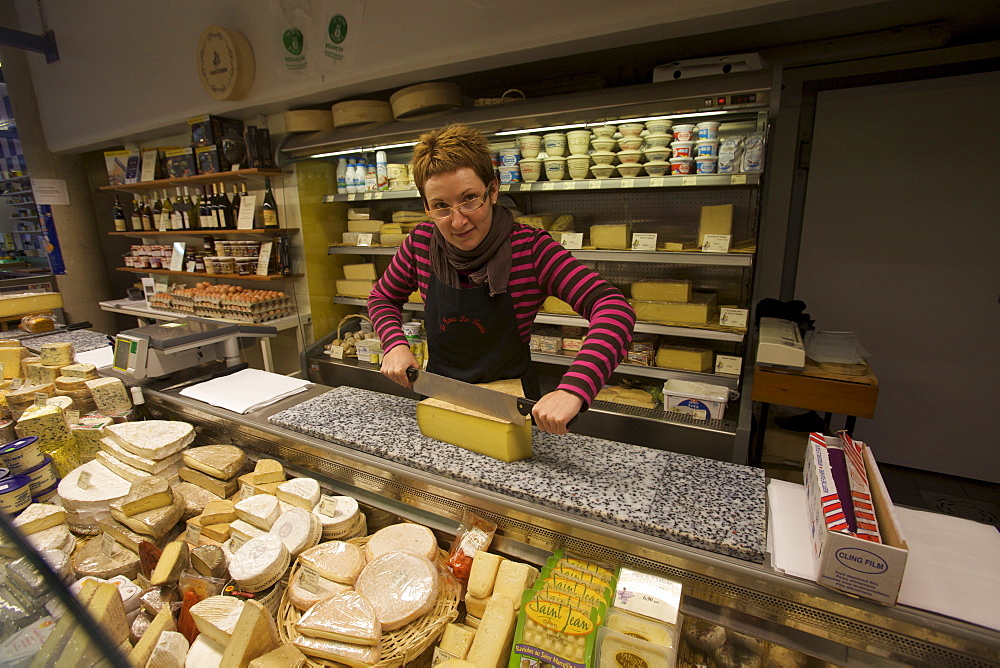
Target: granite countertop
{"x":703,"y":503}
{"x":83,"y":340}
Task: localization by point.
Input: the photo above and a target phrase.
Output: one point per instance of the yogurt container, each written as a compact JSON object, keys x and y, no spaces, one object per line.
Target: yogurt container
{"x":42,"y":476}
{"x":681,"y":165}
{"x":603,"y":143}
{"x":411,"y":328}
{"x":509,"y":156}
{"x":602,"y":171}
{"x":603,"y":157}
{"x":604,"y":131}
{"x":15,"y":494}
{"x":706,"y":147}
{"x":531,"y":169}
{"x":510,"y":174}
{"x":578,"y":141}
{"x":629,"y":169}
{"x":21,"y":454}
{"x":682,"y":149}
{"x":708,"y":130}
{"x":46,"y":494}
{"x":631,"y":129}
{"x":730,"y":155}
{"x":658,"y":140}
{"x":530,"y":145}
{"x":706,"y":164}
{"x":659,"y":126}
{"x":659,"y":154}
{"x":555,"y":168}
{"x":657,"y":167}
{"x":684,"y":132}
{"x":699,"y":400}
{"x":555,"y":144}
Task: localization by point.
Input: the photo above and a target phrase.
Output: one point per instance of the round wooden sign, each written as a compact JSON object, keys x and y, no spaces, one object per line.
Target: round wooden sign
{"x":225,"y":63}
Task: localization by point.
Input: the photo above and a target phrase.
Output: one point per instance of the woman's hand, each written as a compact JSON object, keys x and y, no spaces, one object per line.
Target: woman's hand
{"x":396,"y":362}
{"x":554,"y":410}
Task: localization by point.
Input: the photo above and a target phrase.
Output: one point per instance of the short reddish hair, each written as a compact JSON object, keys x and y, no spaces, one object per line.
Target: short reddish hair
{"x":449,"y":149}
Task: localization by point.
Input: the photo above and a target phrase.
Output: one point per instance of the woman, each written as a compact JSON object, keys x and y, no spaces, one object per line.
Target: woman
{"x":483,"y":279}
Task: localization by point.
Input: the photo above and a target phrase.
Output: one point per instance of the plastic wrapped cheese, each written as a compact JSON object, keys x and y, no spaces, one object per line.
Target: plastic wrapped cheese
{"x":341,"y":652}
{"x":260,"y":510}
{"x":406,"y":536}
{"x":335,"y":560}
{"x":401,"y":586}
{"x":92,"y":559}
{"x":347,"y":617}
{"x":303,"y":597}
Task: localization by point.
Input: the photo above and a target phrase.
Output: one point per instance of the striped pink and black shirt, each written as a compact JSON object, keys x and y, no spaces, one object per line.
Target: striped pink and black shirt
{"x":540,"y":268}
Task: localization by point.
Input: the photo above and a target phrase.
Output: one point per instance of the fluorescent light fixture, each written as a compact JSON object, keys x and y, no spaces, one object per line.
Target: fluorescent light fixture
{"x":548,"y":129}
{"x":388,"y":146}
{"x":384,"y":147}
{"x":661,"y":118}
{"x":327,"y":155}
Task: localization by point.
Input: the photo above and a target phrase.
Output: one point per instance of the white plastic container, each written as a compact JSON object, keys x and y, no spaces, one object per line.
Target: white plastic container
{"x":555,"y":168}
{"x":681,"y":165}
{"x":631,"y":129}
{"x":509,"y":156}
{"x":578,"y":141}
{"x":531,"y":169}
{"x":555,"y":144}
{"x":605,"y":131}
{"x":530,"y":145}
{"x":684,"y":132}
{"x":659,"y":126}
{"x":510,"y":174}
{"x":708,"y":130}
{"x":683,"y":149}
{"x":699,"y":400}
{"x":706,"y":147}
{"x":658,"y":140}
{"x":578,"y":166}
{"x":15,"y":494}
{"x":342,"y":176}
{"x":706,"y":164}
{"x":381,"y":171}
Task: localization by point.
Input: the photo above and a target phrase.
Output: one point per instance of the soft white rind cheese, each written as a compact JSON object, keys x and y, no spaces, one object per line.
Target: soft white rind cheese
{"x":260,"y":510}
{"x":103,"y":488}
{"x":204,"y":653}
{"x":137,"y":461}
{"x":298,"y":529}
{"x":301,"y":492}
{"x":216,"y":617}
{"x":260,"y":562}
{"x":401,"y":586}
{"x":335,"y":560}
{"x":38,"y":517}
{"x":153,"y":439}
{"x":411,"y":537}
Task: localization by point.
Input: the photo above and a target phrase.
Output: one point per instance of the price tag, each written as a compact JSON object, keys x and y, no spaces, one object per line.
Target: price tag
{"x":177,"y":257}
{"x":108,"y":545}
{"x":41,"y":398}
{"x":236,"y":542}
{"x":728,"y":365}
{"x":264,"y":258}
{"x":248,"y":205}
{"x":337,"y":352}
{"x":246,"y":491}
{"x":16,"y":383}
{"x":628,"y":183}
{"x":504,"y":187}
{"x":689,"y":181}
{"x":83,"y":481}
{"x":656,"y":182}
{"x":72,"y":416}
{"x":548,"y":185}
{"x":716,"y":243}
{"x":377,"y":195}
{"x":644,"y":241}
{"x":193,"y":534}
{"x":571,"y":240}
{"x":365,"y":239}
{"x":309,"y":580}
{"x":328,"y":506}
{"x":733,"y":317}
{"x":352,"y":196}
{"x":569,"y":185}
{"x":595,"y":184}
{"x":738,"y":179}
{"x":367,"y":196}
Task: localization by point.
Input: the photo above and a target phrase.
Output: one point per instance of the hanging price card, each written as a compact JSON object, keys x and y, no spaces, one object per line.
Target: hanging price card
{"x":644,"y":241}
{"x":244,"y":220}
{"x":336,"y":352}
{"x":728,"y":365}
{"x":264,"y":258}
{"x":733,"y":317}
{"x":689,"y":180}
{"x":193,"y":534}
{"x":365,"y":239}
{"x":571,"y":240}
{"x":328,"y":506}
{"x":716,"y":243}
{"x":309,"y":579}
{"x":246,"y":491}
{"x":628,"y":183}
{"x":595,"y":184}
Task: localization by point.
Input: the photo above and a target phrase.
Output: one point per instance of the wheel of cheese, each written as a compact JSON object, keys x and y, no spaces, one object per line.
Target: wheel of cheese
{"x":401,"y":586}
{"x":358,"y":112}
{"x":308,"y":120}
{"x":403,"y":537}
{"x":225,"y":63}
{"x":424,"y":99}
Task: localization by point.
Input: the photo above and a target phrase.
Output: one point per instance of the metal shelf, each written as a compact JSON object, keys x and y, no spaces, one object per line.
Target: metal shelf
{"x":566,"y":358}
{"x":201,"y":274}
{"x":689,"y":181}
{"x":206,"y":232}
{"x":15,"y":179}
{"x":199,"y":179}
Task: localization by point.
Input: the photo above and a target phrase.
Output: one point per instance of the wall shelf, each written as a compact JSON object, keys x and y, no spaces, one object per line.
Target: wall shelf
{"x":203,"y":233}
{"x":200,"y":179}
{"x":197,"y":274}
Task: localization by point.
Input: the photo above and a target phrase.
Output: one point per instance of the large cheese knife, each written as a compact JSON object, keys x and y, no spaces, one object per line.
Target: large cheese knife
{"x":500,"y":405}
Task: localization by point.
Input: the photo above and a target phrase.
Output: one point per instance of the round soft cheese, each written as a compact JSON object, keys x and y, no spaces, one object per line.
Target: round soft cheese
{"x":335,"y":560}
{"x":403,"y":537}
{"x":260,"y":562}
{"x":401,"y":586}
{"x":298,"y":529}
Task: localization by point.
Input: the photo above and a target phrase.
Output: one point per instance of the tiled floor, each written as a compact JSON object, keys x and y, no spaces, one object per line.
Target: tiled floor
{"x":962,"y":497}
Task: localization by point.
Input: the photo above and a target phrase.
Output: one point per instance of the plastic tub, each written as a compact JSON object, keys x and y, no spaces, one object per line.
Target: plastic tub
{"x":604,"y":131}
{"x":682,"y":149}
{"x":659,"y":154}
{"x":509,"y":156}
{"x":706,"y":147}
{"x":531,"y":169}
{"x":603,"y":144}
{"x":15,"y":494}
{"x":555,"y":144}
{"x":699,"y":400}
{"x":658,"y":140}
{"x":708,"y":130}
{"x":629,"y":143}
{"x":631,"y":129}
{"x":602,"y":171}
{"x":706,"y":164}
{"x":657,"y":167}
{"x":629,"y":169}
{"x":510,"y":174}
{"x":630,"y":156}
{"x":684,"y":132}
{"x":21,"y":455}
{"x":661,"y":126}
{"x":530,"y":145}
{"x":555,"y":168}
{"x":578,"y":166}
{"x":46,"y":494}
{"x":603,"y":157}
{"x":42,"y":476}
{"x":578,"y":141}
{"x":681,"y":165}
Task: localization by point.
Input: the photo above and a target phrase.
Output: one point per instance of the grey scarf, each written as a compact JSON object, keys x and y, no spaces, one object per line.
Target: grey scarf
{"x":489,"y":262}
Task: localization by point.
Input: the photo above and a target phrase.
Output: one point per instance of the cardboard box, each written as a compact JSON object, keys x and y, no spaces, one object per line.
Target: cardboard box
{"x":207,"y":159}
{"x":179,"y":162}
{"x":845,"y":562}
{"x":122,"y":166}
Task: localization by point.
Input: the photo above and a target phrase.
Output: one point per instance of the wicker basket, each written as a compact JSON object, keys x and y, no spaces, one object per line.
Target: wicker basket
{"x":402,"y":647}
{"x":343,"y":321}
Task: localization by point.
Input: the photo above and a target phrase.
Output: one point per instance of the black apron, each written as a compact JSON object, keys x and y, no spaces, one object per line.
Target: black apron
{"x":473,"y":337}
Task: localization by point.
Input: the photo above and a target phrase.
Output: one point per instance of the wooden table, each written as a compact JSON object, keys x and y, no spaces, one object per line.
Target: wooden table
{"x":812,"y":389}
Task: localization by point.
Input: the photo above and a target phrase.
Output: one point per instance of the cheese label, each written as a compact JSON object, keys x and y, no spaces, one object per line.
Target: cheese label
{"x":328,"y":506}
{"x":733,"y":317}
{"x":364,"y":239}
{"x":83,"y":481}
{"x":548,"y":185}
{"x":309,"y":580}
{"x":336,"y":352}
{"x":569,"y":185}
{"x":630,"y":660}
{"x":108,"y":544}
{"x":560,"y":618}
{"x":193,"y":534}
{"x":716,"y":243}
{"x":728,"y":365}
{"x":571,"y":240}
{"x":644,"y":241}
{"x":236,"y":541}
{"x":738,"y":179}
{"x":72,"y":416}
{"x":16,"y":383}
{"x":246,"y":491}
{"x":41,"y":398}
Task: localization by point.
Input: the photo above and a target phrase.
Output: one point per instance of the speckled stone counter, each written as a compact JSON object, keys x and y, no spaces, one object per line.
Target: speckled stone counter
{"x":83,"y":340}
{"x":712,"y":505}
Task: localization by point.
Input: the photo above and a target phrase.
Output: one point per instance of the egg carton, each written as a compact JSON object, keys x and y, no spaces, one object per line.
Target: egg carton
{"x":268,"y":304}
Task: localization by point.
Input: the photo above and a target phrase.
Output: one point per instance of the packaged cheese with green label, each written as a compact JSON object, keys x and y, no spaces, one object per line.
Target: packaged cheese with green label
{"x":555,"y":633}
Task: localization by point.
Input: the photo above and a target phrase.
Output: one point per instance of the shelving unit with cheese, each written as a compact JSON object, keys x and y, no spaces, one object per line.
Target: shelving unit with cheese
{"x":669,"y":206}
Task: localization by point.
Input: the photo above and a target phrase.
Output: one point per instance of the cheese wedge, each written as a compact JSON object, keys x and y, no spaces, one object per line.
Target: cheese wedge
{"x":154,"y":523}
{"x":38,"y":517}
{"x":195,"y":498}
{"x":413,"y":538}
{"x":339,"y":652}
{"x":219,"y":461}
{"x":474,"y":431}
{"x":483,"y":573}
{"x":154,"y":439}
{"x":218,"y":511}
{"x":170,"y":651}
{"x":513,"y":578}
{"x":173,"y":560}
{"x":358,"y":289}
{"x":260,"y":510}
{"x":347,"y":617}
{"x":268,"y":470}
{"x":217,"y":616}
{"x":204,"y":653}
{"x":164,"y":621}
{"x":335,"y":560}
{"x":303,"y":597}
{"x":684,"y":358}
{"x":209,"y":560}
{"x":254,"y":635}
{"x":361,"y":272}
{"x":221,"y":488}
{"x":286,"y":656}
{"x":91,"y":560}
{"x":716,"y":219}
{"x":149,"y":494}
{"x":610,"y":237}
{"x":698,"y":311}
{"x":456,"y":640}
{"x":301,"y":492}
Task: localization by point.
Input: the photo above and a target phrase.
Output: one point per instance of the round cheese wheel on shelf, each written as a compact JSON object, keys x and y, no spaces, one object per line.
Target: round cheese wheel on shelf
{"x":358,"y":112}
{"x":425,"y":99}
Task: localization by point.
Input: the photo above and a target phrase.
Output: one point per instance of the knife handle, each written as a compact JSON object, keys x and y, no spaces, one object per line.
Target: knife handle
{"x":524,"y":407}
{"x":411,"y":374}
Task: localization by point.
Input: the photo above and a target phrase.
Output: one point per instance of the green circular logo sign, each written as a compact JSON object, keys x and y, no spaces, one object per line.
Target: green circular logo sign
{"x":293,"y":41}
{"x":337,"y":29}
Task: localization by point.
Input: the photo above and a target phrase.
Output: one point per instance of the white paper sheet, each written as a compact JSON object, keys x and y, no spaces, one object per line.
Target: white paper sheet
{"x":951,"y":569}
{"x":100,"y":358}
{"x":246,"y":390}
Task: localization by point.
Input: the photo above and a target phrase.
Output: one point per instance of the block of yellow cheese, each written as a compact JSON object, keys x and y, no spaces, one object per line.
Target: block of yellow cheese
{"x":359,"y":289}
{"x":491,"y":645}
{"x":457,"y":639}
{"x":611,"y":237}
{"x":699,"y":311}
{"x":556,"y":305}
{"x":360,"y":272}
{"x":392,"y":238}
{"x":684,"y":358}
{"x":715,"y":220}
{"x":474,"y":431}
{"x":662,"y":291}
{"x":364,"y":226}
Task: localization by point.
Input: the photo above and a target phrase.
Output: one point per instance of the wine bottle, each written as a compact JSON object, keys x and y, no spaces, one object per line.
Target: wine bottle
{"x":236,"y":206}
{"x":269,"y":210}
{"x":147,"y":215}
{"x":167,"y":213}
{"x":177,"y":219}
{"x":215,"y":207}
{"x":140,"y":411}
{"x":190,"y":221}
{"x":136,"y":214}
{"x":121,"y":225}
{"x":226,"y":208}
{"x":204,"y":213}
{"x":157,"y":210}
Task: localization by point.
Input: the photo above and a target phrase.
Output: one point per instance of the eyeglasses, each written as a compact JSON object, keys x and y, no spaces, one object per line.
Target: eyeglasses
{"x":467,"y":207}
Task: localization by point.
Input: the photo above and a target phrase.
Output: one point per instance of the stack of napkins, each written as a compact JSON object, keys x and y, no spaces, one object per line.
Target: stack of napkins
{"x":246,"y":390}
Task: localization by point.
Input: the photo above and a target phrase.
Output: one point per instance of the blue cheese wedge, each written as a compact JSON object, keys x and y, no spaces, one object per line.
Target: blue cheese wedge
{"x":110,"y":396}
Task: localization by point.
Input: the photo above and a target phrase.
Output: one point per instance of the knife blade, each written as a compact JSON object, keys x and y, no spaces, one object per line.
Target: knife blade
{"x":500,"y":405}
